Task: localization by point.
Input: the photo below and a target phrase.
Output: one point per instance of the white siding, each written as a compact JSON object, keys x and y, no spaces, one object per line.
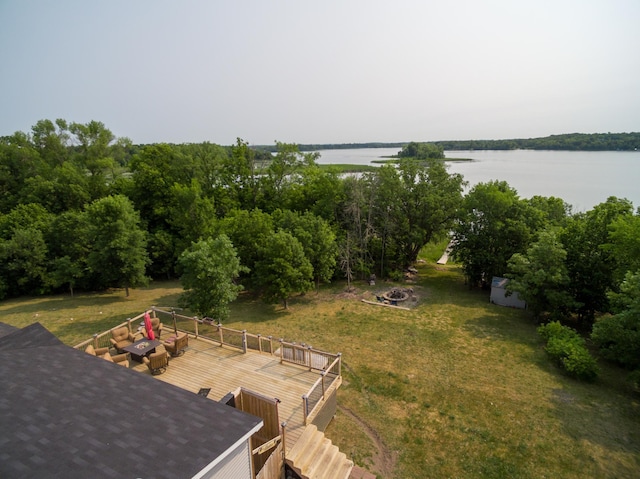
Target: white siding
{"x":236,"y":465}
{"x":498,"y":296}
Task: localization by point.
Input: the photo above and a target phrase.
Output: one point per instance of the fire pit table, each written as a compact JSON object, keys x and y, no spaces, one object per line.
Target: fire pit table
{"x":142,"y":348}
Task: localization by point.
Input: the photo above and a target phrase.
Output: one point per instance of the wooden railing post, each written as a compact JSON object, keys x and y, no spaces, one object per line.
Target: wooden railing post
{"x":270,"y":338}
{"x":322,"y":375}
{"x":259,"y":342}
{"x":196,"y":325}
{"x":283,"y":424}
{"x":244,"y":341}
{"x":220,"y":333}
{"x":281,"y":349}
{"x":95,"y":340}
{"x":305,"y":407}
{"x":309,"y":354}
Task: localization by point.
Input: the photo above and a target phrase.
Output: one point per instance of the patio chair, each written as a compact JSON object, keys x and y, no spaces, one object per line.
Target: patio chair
{"x":121,"y":359}
{"x":157,"y":362}
{"x":176,"y":344}
{"x":121,"y":338}
{"x":156,"y":326}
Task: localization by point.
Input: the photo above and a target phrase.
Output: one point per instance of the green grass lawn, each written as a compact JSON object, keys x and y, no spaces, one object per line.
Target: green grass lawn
{"x":454,"y":387}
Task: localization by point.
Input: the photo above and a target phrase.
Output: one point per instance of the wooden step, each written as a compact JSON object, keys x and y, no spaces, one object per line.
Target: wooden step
{"x":314,"y":456}
{"x":321,"y":458}
{"x":340,"y":467}
{"x":304,"y":446}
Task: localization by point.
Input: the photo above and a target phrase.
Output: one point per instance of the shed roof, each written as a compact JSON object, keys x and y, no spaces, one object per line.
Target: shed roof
{"x":498,"y":282}
{"x":64,"y":413}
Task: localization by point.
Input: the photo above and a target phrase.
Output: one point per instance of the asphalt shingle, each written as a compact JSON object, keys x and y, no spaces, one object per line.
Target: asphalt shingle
{"x":64,"y":413}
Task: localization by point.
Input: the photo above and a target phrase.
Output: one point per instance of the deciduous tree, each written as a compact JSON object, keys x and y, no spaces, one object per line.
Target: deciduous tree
{"x":317,"y":238}
{"x":283,"y":268}
{"x":493,"y":225}
{"x":118,"y":253}
{"x":209,"y":270}
{"x":540,"y":277}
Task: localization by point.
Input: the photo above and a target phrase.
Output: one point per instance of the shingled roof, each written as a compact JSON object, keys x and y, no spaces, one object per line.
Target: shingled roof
{"x":64,"y":413}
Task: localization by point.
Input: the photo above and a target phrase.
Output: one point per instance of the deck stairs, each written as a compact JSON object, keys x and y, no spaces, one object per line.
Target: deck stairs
{"x":315,"y":457}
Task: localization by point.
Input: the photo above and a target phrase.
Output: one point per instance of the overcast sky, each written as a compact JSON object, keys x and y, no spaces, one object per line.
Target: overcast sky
{"x":322,"y":71}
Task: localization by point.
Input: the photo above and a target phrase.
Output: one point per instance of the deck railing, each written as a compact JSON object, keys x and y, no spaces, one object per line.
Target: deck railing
{"x":328,"y":364}
{"x":314,"y":399}
{"x":102,"y":340}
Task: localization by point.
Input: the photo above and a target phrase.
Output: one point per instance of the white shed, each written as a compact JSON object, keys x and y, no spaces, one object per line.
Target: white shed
{"x":499,"y":294}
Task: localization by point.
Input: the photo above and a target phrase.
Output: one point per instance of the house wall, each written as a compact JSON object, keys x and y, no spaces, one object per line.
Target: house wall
{"x":236,"y":465}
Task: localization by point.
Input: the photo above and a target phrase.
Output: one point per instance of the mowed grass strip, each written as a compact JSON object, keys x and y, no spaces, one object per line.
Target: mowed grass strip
{"x":454,"y":387}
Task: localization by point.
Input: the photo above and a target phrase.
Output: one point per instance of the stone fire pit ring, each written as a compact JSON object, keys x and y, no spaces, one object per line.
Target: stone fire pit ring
{"x":396,"y":294}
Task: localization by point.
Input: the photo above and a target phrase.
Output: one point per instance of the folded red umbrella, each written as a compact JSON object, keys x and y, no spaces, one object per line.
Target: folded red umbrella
{"x":147,"y":326}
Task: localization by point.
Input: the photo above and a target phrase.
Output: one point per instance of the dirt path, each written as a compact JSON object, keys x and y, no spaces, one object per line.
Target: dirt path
{"x":384,"y":460}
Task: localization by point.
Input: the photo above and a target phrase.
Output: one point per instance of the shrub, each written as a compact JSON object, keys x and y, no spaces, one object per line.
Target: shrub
{"x":618,"y":338}
{"x":556,"y":330}
{"x":569,"y":350}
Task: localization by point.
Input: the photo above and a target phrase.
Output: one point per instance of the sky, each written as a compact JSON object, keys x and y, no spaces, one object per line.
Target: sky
{"x":345,"y":71}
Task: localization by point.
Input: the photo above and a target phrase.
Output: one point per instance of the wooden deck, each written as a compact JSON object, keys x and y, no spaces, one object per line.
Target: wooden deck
{"x":206,"y":364}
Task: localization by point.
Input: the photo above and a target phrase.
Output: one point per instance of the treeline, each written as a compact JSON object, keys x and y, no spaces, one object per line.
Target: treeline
{"x":83,"y":210}
{"x":570,"y":142}
{"x":580,"y":269}
{"x":334,"y":146}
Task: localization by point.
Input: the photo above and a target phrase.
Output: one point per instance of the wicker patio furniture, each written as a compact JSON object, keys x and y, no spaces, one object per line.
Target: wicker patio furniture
{"x":121,"y":338}
{"x":157,"y":362}
{"x":176,"y":344}
{"x":121,"y":359}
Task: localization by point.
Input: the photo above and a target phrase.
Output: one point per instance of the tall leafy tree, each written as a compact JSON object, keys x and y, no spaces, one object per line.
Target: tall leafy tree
{"x":282,"y":175}
{"x":618,"y":336}
{"x":93,"y":153}
{"x":52,"y":141}
{"x":319,"y":190}
{"x":493,"y":225}
{"x":240,"y":175}
{"x":317,"y":239}
{"x":427,"y":204}
{"x":624,"y":243}
{"x":23,"y":263}
{"x":540,"y":277}
{"x":190,"y":214}
{"x":69,"y":248}
{"x":555,"y":210}
{"x":19,"y":160}
{"x":283,"y":269}
{"x":209,"y":270}
{"x":248,"y":231}
{"x":590,"y":265}
{"x":118,"y":256}
{"x":63,"y":188}
{"x":356,"y":219}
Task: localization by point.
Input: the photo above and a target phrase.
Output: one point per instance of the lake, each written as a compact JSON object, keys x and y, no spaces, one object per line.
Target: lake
{"x":581,"y":178}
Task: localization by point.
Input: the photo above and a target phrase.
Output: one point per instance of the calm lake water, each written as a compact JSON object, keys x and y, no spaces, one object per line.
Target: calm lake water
{"x":581,"y":178}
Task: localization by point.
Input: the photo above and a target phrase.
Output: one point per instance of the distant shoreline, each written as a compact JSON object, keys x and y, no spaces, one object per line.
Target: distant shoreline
{"x":564,"y":142}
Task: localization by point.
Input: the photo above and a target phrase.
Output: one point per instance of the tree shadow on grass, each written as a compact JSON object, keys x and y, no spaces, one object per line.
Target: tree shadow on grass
{"x":38,"y":305}
{"x":603,"y":415}
{"x":503,"y":324}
